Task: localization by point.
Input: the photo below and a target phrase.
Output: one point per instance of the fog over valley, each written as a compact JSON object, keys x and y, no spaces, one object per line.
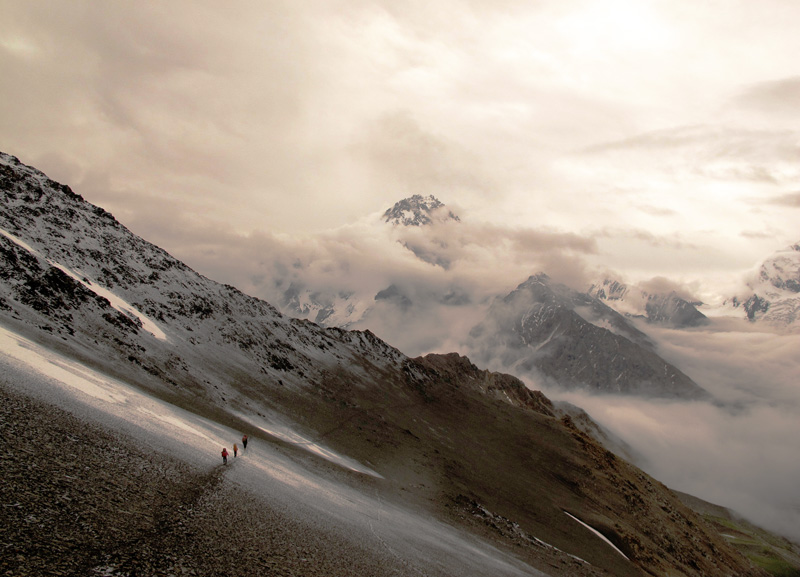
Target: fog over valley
{"x":739,"y":450}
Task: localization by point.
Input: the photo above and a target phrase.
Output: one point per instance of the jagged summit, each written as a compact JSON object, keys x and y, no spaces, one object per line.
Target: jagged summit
{"x":310,"y":298}
{"x":418,"y":210}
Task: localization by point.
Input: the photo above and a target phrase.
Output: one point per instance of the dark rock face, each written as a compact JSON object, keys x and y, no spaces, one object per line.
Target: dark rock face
{"x":673,"y":311}
{"x":546,"y":329}
{"x":454,"y":367}
{"x":395,"y":296}
{"x":755,"y":305}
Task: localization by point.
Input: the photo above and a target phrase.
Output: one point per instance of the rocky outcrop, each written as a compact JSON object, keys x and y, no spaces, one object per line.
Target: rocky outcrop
{"x":456,"y":368}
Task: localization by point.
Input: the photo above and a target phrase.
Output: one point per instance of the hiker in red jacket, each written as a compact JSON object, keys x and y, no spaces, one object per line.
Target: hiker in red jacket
{"x":244,"y":442}
{"x":225,"y":455}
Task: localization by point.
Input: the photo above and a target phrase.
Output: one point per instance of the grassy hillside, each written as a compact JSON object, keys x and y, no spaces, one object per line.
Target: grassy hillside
{"x":777,"y":555}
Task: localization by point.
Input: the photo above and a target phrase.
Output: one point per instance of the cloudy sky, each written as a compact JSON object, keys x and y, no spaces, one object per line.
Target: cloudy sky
{"x":659,"y":137}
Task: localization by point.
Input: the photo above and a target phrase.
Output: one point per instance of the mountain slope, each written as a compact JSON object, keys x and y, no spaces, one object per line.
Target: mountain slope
{"x":74,"y":256}
{"x":546,"y":329}
{"x":474,"y":449}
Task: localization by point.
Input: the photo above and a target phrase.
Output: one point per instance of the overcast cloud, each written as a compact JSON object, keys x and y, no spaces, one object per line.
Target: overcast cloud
{"x":658,"y":122}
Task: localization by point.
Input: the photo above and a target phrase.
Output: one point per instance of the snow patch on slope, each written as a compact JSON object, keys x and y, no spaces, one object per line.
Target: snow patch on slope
{"x":110,"y":392}
{"x":118,"y":303}
{"x":296,"y":439}
{"x":598,"y":533}
{"x":75,"y":376}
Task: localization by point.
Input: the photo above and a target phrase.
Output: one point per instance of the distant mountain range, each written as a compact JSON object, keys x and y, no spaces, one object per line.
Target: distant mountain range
{"x":473,"y":448}
{"x":584,"y":341}
{"x":616,"y":356}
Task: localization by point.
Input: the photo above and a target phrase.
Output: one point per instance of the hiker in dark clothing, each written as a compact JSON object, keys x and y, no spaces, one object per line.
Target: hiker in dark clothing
{"x":244,"y":442}
{"x":224,"y":456}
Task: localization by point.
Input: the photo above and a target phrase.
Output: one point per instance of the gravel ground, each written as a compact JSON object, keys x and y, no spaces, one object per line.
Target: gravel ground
{"x":80,"y":500}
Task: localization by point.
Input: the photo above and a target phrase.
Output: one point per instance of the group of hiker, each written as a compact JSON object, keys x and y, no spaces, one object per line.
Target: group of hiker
{"x":235,"y":450}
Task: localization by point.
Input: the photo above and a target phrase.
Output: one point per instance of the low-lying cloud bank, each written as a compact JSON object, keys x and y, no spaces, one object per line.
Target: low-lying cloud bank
{"x":443,"y":277}
{"x":741,"y":451}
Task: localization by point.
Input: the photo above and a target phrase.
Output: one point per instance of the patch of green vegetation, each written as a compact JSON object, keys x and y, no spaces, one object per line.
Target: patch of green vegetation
{"x":775,"y":565}
{"x":728,"y":523}
{"x":764,"y":549}
{"x":741,"y":541}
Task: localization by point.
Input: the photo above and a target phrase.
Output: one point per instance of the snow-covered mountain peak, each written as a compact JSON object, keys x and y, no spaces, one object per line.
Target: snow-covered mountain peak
{"x":609,"y":290}
{"x":418,"y":210}
{"x":781,"y":271}
{"x":773,"y":292}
